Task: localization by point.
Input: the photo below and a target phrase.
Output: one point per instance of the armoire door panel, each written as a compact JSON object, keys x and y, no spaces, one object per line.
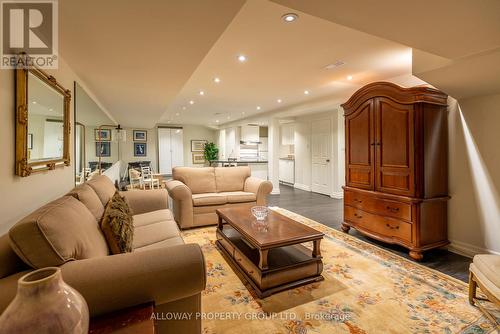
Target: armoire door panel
{"x":359,"y":148}
{"x":394,"y":147}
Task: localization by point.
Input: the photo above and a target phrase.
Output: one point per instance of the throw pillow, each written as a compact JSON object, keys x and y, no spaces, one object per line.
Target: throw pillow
{"x":117,"y":225}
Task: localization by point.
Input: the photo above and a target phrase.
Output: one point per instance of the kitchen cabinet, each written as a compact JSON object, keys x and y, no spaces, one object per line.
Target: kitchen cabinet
{"x":250,"y":133}
{"x":287,"y":170}
{"x":288,"y":134}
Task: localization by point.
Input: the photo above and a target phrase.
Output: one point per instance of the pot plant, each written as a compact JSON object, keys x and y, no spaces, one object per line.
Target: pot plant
{"x":211,"y":152}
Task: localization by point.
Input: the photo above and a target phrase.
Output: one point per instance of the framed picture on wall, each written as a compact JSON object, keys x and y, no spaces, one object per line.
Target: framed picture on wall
{"x":198,"y":158}
{"x":140,"y":149}
{"x":198,"y":145}
{"x":30,"y":141}
{"x":140,"y":135}
{"x":104,"y":148}
{"x":105,"y":134}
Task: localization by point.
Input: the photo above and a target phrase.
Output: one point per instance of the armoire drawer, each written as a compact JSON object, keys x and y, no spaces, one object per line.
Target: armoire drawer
{"x":380,"y":225}
{"x":378,"y":206}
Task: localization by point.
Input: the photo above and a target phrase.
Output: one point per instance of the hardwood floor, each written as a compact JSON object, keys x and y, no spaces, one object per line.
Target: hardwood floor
{"x":329,"y":211}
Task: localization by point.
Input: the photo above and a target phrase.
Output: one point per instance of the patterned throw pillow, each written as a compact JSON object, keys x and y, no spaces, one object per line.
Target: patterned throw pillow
{"x":117,"y":225}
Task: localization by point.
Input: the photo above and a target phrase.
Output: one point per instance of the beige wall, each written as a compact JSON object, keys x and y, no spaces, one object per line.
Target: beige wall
{"x":195,"y":132}
{"x":474,"y":152}
{"x":127,"y":148}
{"x":22,"y":195}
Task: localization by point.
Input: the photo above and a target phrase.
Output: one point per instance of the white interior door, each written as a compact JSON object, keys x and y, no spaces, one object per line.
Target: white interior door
{"x":177,"y":147}
{"x":164,"y":151}
{"x":321,"y":141}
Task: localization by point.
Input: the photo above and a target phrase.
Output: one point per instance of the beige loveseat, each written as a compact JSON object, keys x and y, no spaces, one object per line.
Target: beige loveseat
{"x":198,"y":192}
{"x":65,"y":233}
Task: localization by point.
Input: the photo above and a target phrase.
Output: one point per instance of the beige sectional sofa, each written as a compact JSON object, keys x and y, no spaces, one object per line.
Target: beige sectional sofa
{"x":198,"y":192}
{"x":65,"y":233}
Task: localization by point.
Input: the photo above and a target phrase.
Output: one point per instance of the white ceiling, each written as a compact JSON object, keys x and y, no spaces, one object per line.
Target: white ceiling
{"x":135,"y":56}
{"x":283,"y":60}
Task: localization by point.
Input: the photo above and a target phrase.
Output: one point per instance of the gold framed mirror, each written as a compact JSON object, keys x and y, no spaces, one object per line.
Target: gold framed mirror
{"x":42,"y":122}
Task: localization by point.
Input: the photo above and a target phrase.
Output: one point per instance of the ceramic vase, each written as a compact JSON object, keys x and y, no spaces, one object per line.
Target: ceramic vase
{"x":44,"y":303}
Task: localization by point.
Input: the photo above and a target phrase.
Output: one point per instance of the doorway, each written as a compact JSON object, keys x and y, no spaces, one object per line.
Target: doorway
{"x":321,"y":148}
{"x":170,"y":149}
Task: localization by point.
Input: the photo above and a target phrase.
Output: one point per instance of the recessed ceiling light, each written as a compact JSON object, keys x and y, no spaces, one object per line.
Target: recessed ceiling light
{"x":50,"y":109}
{"x":191,"y":102}
{"x":169,"y":121}
{"x":258,"y":107}
{"x":216,"y":121}
{"x":349,"y":77}
{"x":183,"y":107}
{"x":34,"y":102}
{"x":242,"y":58}
{"x":202,"y":93}
{"x":290,"y":17}
{"x":279,"y":100}
{"x":216,"y":79}
{"x":228,"y":117}
{"x":177,"y":114}
{"x":243,"y":113}
{"x":306,"y":92}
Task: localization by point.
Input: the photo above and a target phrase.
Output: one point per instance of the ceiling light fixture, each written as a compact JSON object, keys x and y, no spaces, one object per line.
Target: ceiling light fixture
{"x":169,"y":121}
{"x":258,"y":107}
{"x":202,"y":93}
{"x":228,"y":117}
{"x":216,"y":79}
{"x":290,"y":17}
{"x":191,"y":102}
{"x":279,"y":100}
{"x":34,"y":102}
{"x":183,"y":107}
{"x":306,"y":92}
{"x":177,"y":114}
{"x":242,"y":58}
{"x":349,"y":77}
{"x":243,"y":113}
{"x":216,"y":121}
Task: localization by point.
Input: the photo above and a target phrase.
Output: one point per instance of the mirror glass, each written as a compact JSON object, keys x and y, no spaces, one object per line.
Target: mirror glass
{"x":88,"y":118}
{"x":45,"y":121}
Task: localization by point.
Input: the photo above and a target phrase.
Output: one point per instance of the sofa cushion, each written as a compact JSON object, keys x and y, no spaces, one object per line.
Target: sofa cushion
{"x":231,"y":178}
{"x":209,"y":199}
{"x":118,"y":225}
{"x":104,"y":188}
{"x":10,"y":262}
{"x":154,"y":233}
{"x":174,"y":241}
{"x":199,"y":180}
{"x":85,"y":194}
{"x":489,"y":266}
{"x":58,"y":232}
{"x":239,"y":196}
{"x":152,"y":217}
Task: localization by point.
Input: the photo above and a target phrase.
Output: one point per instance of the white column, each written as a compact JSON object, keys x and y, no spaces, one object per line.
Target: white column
{"x":273,"y":154}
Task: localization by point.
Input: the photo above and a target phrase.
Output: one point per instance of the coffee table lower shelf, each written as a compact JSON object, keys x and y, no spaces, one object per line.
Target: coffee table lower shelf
{"x":288,"y":266}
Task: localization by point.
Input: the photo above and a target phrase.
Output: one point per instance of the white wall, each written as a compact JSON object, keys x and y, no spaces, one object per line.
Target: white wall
{"x":22,"y":195}
{"x":474,"y":175}
{"x":195,"y":132}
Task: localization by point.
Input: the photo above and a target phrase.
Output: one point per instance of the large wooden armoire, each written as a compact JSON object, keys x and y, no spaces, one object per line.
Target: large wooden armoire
{"x":397,"y":165}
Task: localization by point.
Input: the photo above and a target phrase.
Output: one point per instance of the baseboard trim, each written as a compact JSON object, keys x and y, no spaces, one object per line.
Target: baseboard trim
{"x":337,"y":195}
{"x":302,"y":186}
{"x":468,"y":250}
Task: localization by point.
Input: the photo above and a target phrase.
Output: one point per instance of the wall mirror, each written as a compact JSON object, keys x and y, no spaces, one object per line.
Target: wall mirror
{"x":88,"y":118}
{"x":42,"y":122}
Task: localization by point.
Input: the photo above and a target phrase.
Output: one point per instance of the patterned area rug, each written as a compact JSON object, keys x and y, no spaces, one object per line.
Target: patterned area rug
{"x":366,"y":290}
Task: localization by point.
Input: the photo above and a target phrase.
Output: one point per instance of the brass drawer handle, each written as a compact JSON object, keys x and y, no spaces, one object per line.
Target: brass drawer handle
{"x":250,"y":272}
{"x":392,"y":227}
{"x":358,"y":200}
{"x":357,"y":216}
{"x":390,"y":208}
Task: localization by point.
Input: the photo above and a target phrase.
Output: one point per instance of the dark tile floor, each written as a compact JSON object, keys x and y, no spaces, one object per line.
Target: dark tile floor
{"x":329,"y":211}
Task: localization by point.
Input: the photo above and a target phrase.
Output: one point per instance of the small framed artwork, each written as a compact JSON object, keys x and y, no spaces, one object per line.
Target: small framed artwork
{"x":105,"y":134}
{"x":30,"y":141}
{"x":104,"y":148}
{"x":140,"y":149}
{"x":140,"y":135}
{"x":198,"y":145}
{"x":198,"y":158}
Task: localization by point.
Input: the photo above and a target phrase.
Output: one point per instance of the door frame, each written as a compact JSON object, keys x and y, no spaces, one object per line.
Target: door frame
{"x":158,"y":142}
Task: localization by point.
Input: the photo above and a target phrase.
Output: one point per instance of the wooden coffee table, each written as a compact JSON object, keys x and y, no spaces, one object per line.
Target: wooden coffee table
{"x":271,"y":257}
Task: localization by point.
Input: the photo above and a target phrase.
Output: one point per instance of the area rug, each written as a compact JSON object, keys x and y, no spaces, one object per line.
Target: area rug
{"x":366,"y":290}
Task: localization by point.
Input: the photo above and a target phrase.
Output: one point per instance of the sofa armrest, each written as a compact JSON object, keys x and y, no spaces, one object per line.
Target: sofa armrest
{"x":182,"y":203}
{"x":259,"y":187}
{"x":115,"y":282}
{"x":142,"y":201}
